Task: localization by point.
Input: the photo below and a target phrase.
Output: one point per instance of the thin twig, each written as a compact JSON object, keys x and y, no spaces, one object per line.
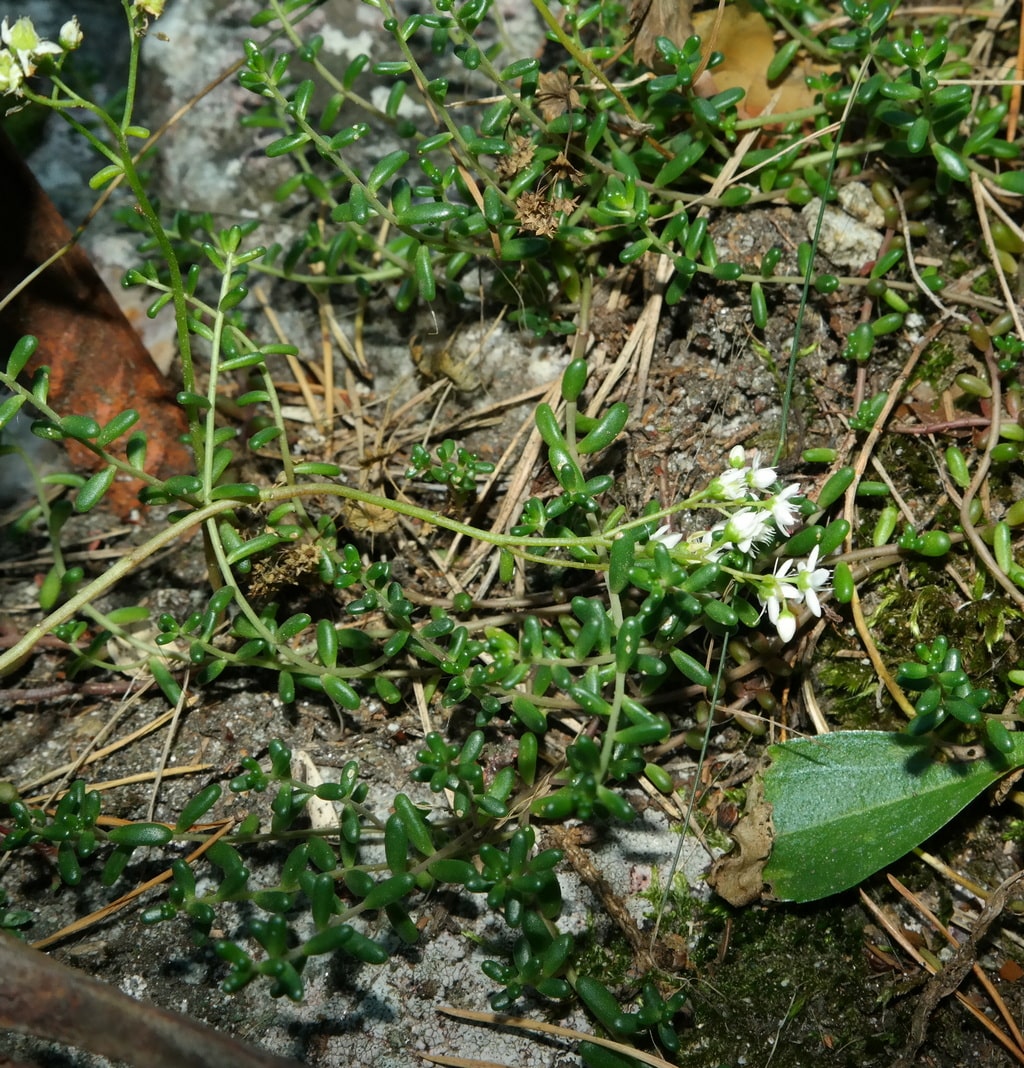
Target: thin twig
{"x":897,"y":935}
{"x":964,"y":960}
{"x":908,"y":247}
{"x":172,"y":731}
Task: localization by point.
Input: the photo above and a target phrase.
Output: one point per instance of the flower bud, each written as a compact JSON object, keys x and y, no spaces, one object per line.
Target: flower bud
{"x":70,"y":36}
{"x":786,"y":625}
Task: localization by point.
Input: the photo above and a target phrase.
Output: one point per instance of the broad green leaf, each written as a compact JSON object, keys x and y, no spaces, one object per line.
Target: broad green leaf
{"x":846,"y":805}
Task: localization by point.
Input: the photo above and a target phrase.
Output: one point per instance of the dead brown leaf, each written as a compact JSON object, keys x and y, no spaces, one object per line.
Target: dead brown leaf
{"x":362,"y":517}
{"x":740,"y":33}
{"x":556,"y":95}
{"x":659,"y":18}
{"x":746,"y":40}
{"x":739,"y":876}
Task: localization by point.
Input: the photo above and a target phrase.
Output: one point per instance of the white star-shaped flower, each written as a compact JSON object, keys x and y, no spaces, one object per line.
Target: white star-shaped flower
{"x":810,"y":579}
{"x":745,"y":529}
{"x":758,"y":477}
{"x":774,"y":591}
{"x":730,"y":485}
{"x":783,"y":510}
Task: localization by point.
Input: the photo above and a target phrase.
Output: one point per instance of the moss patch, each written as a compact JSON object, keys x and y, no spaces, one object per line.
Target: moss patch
{"x":794,"y":980}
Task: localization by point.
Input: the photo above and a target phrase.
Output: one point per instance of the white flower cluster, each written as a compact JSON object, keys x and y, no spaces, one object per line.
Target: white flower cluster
{"x":765,"y":510}
{"x":23,"y":48}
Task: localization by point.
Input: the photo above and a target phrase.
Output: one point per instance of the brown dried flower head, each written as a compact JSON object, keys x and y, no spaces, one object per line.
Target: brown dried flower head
{"x":563,"y":169}
{"x":512,"y":163}
{"x":536,"y":215}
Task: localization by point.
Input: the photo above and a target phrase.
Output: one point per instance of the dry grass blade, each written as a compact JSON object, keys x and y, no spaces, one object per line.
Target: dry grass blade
{"x":1014,"y":114}
{"x":99,"y":754}
{"x":41,"y":801}
{"x":85,"y":922}
{"x":899,"y":937}
{"x":462,"y":1062}
{"x":296,"y":368}
{"x":895,"y":393}
{"x":172,"y":732}
{"x":519,"y":1023}
{"x":976,"y":934}
{"x":515,"y":494}
{"x":939,"y":865}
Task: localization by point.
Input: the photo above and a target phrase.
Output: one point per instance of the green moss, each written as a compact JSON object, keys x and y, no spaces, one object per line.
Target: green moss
{"x":604,"y":952}
{"x":845,"y":689}
{"x":935,"y":363}
{"x":792,"y":980}
{"x":777,"y":978}
{"x":985,"y":284}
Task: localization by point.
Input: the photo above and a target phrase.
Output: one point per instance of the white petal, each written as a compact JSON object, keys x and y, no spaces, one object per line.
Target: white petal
{"x":666,"y":537}
{"x":786,"y":626}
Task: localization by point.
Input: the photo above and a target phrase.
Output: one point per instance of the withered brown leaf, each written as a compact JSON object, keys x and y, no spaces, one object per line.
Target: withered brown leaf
{"x":659,"y":18}
{"x":738,"y":876}
{"x":556,"y":95}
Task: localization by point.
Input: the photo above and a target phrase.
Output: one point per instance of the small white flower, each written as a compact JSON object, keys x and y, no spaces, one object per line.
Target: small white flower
{"x":666,"y":537}
{"x":26,"y":44}
{"x":730,"y":485}
{"x":70,"y":36}
{"x":742,"y":480}
{"x":810,"y":579}
{"x":758,"y":477}
{"x":11,"y":74}
{"x":21,"y":37}
{"x":783,"y":510}
{"x":745,"y":529}
{"x":780,"y":582}
{"x":775,"y":590}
